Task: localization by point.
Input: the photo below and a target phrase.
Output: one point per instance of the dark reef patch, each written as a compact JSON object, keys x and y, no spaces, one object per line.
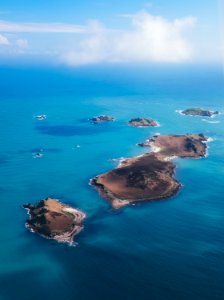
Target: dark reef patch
{"x":72,"y":130}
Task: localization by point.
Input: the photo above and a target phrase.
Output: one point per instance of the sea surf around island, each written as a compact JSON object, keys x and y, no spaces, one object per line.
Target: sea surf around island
{"x":160,"y":250}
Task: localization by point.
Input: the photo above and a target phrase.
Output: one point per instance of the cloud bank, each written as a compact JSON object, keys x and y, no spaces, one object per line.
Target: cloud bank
{"x":40,"y":27}
{"x":22,"y":43}
{"x":3,"y":40}
{"x":150,"y":39}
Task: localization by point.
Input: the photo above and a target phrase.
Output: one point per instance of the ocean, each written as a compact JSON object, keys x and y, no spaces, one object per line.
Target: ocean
{"x":165,"y":250}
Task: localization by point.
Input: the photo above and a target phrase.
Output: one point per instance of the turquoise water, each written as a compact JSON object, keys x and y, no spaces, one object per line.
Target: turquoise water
{"x":167,"y":250}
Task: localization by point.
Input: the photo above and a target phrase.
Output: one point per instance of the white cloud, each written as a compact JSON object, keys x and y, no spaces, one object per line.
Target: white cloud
{"x":151,"y":39}
{"x":22,"y":43}
{"x":221,"y":29}
{"x":40,"y":27}
{"x":3,"y":40}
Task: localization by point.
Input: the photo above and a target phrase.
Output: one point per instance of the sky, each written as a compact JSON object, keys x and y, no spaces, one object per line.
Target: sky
{"x":75,"y":33}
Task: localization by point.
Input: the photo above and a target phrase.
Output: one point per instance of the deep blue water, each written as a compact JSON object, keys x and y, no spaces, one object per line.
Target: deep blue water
{"x":167,"y":250}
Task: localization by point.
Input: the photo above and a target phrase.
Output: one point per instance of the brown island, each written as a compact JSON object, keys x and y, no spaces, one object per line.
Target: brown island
{"x":101,"y":119}
{"x":143,"y":122}
{"x":150,"y":176}
{"x":199,"y":112}
{"x":54,"y":220}
{"x":188,"y":145}
{"x":144,"y":178}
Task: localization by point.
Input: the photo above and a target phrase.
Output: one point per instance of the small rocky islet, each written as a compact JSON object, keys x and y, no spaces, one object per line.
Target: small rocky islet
{"x":199,"y":112}
{"x":143,"y":122}
{"x":150,"y":176}
{"x":101,"y":119}
{"x":54,"y":220}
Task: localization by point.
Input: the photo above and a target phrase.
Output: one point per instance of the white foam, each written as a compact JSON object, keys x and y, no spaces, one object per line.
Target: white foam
{"x":211,"y":122}
{"x":155,"y":149}
{"x":119,"y":160}
{"x":215,"y":115}
{"x":70,"y":209}
{"x":210,"y":139}
{"x":179,"y":111}
{"x":168,"y":158}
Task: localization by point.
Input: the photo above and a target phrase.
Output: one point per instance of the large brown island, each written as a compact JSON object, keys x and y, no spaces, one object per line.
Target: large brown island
{"x":144,"y":178}
{"x":54,"y":220}
{"x":150,"y":176}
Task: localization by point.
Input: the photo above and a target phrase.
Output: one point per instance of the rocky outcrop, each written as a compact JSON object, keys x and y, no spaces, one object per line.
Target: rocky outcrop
{"x":199,"y":112}
{"x":101,"y":119}
{"x":143,"y":122}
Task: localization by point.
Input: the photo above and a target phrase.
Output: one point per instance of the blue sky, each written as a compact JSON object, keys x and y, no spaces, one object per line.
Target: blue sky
{"x":98,"y":31}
